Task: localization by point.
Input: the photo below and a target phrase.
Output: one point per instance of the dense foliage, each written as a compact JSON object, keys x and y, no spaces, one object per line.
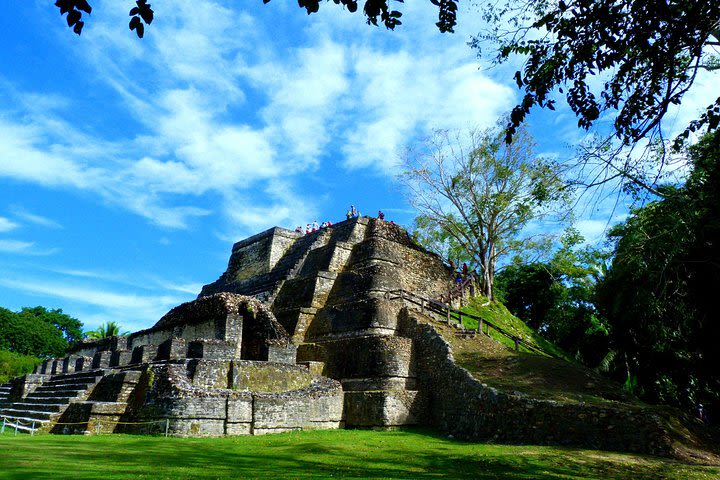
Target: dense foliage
{"x":14,"y":365}
{"x":38,"y":331}
{"x":650,"y":318}
{"x":556,"y":298}
{"x":659,"y":294}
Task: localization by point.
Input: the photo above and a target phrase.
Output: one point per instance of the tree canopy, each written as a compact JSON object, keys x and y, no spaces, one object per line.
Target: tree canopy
{"x":659,"y":293}
{"x":556,"y":297}
{"x":107,"y":329}
{"x":38,"y":331}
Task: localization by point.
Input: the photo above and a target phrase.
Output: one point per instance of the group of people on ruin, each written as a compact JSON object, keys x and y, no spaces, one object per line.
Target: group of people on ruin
{"x":352,"y":212}
{"x":313,"y":227}
{"x":460,"y":275}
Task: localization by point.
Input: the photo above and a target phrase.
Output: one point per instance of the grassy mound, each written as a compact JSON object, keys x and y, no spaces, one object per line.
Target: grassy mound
{"x":551,"y":375}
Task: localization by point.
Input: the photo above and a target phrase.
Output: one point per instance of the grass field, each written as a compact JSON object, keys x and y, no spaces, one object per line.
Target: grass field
{"x":318,"y":454}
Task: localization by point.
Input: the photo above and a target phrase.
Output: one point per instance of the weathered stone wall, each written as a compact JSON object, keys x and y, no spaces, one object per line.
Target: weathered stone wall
{"x":257,"y":255}
{"x":363,"y":357}
{"x":371,"y":314}
{"x":460,"y":405}
{"x":220,"y":326}
{"x":194,"y":410}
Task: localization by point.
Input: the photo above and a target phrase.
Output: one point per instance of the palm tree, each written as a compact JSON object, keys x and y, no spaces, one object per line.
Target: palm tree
{"x":107,"y":329}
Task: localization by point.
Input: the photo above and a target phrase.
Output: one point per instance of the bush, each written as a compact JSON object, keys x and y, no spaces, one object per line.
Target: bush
{"x":14,"y":364}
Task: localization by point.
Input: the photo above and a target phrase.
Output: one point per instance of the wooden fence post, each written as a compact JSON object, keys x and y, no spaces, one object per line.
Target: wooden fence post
{"x":517,"y":344}
{"x":480,"y":325}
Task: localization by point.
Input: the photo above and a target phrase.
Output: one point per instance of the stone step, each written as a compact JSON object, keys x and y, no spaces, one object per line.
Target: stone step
{"x":80,"y":377}
{"x":44,"y":407}
{"x":65,"y":386}
{"x":56,"y":393}
{"x":44,"y":400}
{"x":28,"y":414}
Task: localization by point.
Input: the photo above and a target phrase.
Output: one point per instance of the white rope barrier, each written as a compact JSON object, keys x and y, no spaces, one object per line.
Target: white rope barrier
{"x":15,"y":423}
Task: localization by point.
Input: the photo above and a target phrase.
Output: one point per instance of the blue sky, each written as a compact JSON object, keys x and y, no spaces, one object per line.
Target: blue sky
{"x":129,"y":167}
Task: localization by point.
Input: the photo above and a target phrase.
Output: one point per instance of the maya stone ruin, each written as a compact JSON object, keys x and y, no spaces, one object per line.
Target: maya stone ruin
{"x":299,"y":333}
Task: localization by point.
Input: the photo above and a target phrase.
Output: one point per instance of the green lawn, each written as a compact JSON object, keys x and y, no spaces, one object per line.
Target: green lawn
{"x":319,"y":454}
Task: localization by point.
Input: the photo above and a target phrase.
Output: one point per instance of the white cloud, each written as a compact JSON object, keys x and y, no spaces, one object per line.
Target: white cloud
{"x":403,"y":96}
{"x":25,"y":155}
{"x":7,"y":225}
{"x":33,"y":218}
{"x":132,"y":303}
{"x":25,"y":248}
{"x":227,"y":110}
{"x":15,"y":246}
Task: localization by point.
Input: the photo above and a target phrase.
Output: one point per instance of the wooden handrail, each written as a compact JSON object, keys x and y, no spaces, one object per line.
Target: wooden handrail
{"x":445,"y":309}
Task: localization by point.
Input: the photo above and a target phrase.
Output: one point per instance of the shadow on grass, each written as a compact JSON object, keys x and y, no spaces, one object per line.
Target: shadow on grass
{"x":348,"y":454}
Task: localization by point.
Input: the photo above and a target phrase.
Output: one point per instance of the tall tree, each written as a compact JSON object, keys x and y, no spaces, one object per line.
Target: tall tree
{"x":659,"y":294}
{"x":479,"y":192}
{"x":70,"y":327}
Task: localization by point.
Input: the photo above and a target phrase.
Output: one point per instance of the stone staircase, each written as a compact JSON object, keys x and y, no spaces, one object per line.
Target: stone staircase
{"x":43,"y":406}
{"x":296,"y":261}
{"x":5,"y":393}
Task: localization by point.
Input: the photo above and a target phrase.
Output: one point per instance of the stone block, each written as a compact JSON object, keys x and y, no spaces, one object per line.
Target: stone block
{"x":120,"y":358}
{"x":371,"y":356}
{"x":266,"y":377}
{"x":315,"y":368}
{"x":118,"y":343}
{"x":83,"y":363}
{"x":56,"y":366}
{"x":144,"y":354}
{"x":232,"y":428}
{"x":210,"y":373}
{"x":173,"y":349}
{"x":200,"y":427}
{"x":233,"y":329}
{"x":384,"y":408}
{"x":102,"y":359}
{"x":45,"y":367}
{"x":212,"y":350}
{"x":70,"y":364}
{"x":239,"y":408}
{"x":282,"y":353}
{"x":302,"y":409}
